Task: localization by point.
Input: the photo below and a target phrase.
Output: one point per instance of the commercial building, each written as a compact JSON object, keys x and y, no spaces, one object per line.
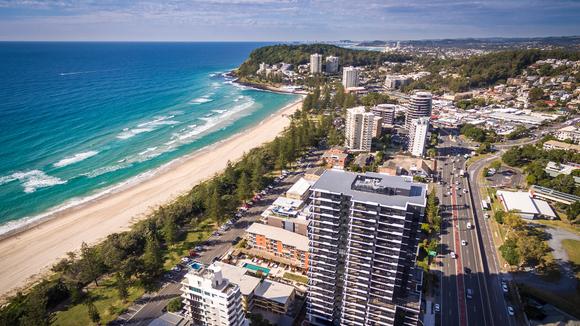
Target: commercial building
{"x":385,"y":111}
{"x":350,"y":77}
{"x":553,"y":195}
{"x":257,"y":293}
{"x":527,"y":207}
{"x":419,"y":106}
{"x":275,"y":243}
{"x":554,"y":144}
{"x":359,"y":129}
{"x":331,"y":65}
{"x":211,"y":299}
{"x":418,"y":136}
{"x":364,"y":233}
{"x":315,"y":63}
{"x":569,"y":133}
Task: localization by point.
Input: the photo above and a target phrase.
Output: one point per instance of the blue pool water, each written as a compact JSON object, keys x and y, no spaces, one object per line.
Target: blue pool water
{"x":255,"y":268}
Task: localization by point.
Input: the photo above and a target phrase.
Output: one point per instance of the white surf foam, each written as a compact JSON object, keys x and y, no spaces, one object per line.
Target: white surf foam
{"x":147,"y":126}
{"x":75,"y":158}
{"x":32,"y":180}
{"x":200,"y":100}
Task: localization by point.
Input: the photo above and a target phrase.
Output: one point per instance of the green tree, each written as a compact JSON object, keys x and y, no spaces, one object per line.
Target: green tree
{"x":35,"y":311}
{"x":532,"y":249}
{"x":169,"y":230}
{"x":243,"y":188}
{"x":535,"y":94}
{"x":573,"y":212}
{"x":509,"y":252}
{"x":175,"y":305}
{"x":91,"y":265}
{"x":122,"y":287}
{"x":258,"y":175}
{"x":92,"y":311}
{"x":153,"y":257}
{"x":214,"y":207}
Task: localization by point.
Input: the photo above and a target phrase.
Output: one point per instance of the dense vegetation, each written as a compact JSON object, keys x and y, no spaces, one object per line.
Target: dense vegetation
{"x":300,"y":54}
{"x":136,"y":257}
{"x":484,"y":70}
{"x":534,"y":160}
{"x":478,"y":134}
{"x":524,"y":244}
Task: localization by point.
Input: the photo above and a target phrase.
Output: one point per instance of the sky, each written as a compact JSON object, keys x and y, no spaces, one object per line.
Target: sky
{"x":283,"y":20}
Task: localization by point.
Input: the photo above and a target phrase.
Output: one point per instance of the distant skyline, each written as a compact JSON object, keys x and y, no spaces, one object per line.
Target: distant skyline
{"x":283,"y":20}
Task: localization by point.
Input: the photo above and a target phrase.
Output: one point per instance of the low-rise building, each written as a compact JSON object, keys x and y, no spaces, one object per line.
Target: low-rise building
{"x":275,"y":243}
{"x":553,"y":195}
{"x":554,"y":144}
{"x":335,"y":158}
{"x":259,"y":293}
{"x":525,"y":205}
{"x":286,"y":213}
{"x":569,"y":132}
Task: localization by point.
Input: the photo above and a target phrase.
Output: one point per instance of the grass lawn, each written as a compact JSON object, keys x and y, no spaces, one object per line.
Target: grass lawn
{"x":572,"y":248}
{"x":195,"y":235}
{"x":295,"y":277}
{"x":107,"y":302}
{"x":560,"y":224}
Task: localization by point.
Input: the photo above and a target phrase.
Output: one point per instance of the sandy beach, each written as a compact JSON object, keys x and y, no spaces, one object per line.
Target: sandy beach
{"x":27,"y":255}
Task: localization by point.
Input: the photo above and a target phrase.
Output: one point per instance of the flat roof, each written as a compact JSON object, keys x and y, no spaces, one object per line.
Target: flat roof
{"x":296,"y":240}
{"x":237,"y":275}
{"x":337,"y":181}
{"x":300,"y":187}
{"x":274,"y":291}
{"x":562,"y":145}
{"x":524,"y":203}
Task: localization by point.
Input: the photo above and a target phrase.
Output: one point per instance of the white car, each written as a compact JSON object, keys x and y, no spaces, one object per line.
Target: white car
{"x":437,"y":308}
{"x":452,"y":254}
{"x":463,"y":243}
{"x":469,"y":225}
{"x":510,"y":310}
{"x":486,"y":215}
{"x":464,"y":191}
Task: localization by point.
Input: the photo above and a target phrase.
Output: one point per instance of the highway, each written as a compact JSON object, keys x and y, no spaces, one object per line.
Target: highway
{"x":475,"y":267}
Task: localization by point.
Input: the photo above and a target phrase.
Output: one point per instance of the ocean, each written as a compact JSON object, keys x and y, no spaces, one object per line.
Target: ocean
{"x":77,"y":120}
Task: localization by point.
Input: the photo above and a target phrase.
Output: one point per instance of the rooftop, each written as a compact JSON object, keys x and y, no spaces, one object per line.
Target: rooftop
{"x":237,"y":275}
{"x":274,"y":291}
{"x":524,"y":203}
{"x":300,"y":187}
{"x":298,"y":241}
{"x":394,"y":191}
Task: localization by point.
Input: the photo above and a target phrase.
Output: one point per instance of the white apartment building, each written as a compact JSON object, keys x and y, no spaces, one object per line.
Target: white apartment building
{"x":364,"y":232}
{"x":210,"y":299}
{"x":315,"y":63}
{"x":385,"y":111}
{"x":569,"y":132}
{"x":420,"y":106}
{"x":418,"y":136}
{"x":359,"y":129}
{"x":331,"y":65}
{"x":350,"y":77}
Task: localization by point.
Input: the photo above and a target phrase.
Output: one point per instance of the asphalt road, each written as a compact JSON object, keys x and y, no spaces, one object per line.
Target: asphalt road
{"x":151,"y":307}
{"x":470,"y":270}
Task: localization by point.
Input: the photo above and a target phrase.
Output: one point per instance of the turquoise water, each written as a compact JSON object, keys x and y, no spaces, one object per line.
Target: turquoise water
{"x":77,"y":119}
{"x":255,"y":268}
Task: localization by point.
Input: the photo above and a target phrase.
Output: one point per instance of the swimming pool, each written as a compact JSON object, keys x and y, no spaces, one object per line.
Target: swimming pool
{"x":195,"y":266}
{"x":255,"y":268}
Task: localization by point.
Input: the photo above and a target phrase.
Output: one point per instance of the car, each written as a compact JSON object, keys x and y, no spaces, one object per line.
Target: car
{"x":511,"y":311}
{"x":486,"y":215}
{"x":463,"y":243}
{"x":469,"y":294}
{"x":198,"y":248}
{"x":437,"y":308}
{"x":468,"y":225}
{"x":176,"y":269}
{"x":504,"y":288}
{"x":464,"y":191}
{"x":467,"y":270}
{"x":452,"y":254}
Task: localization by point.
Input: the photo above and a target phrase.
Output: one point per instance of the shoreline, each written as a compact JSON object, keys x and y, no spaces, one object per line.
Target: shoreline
{"x":28,"y":252}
